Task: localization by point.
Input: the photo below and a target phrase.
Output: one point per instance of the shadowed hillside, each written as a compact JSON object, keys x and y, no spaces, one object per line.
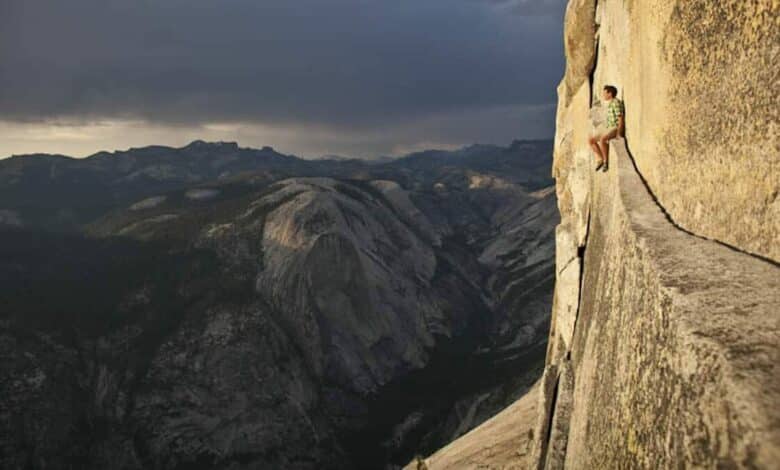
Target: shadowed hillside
{"x":220,"y":307}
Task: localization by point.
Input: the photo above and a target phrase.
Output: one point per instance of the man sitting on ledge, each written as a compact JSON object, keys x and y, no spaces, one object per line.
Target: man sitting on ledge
{"x":615,"y":127}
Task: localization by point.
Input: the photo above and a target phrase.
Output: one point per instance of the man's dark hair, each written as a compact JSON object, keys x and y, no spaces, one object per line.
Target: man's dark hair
{"x":612,"y":90}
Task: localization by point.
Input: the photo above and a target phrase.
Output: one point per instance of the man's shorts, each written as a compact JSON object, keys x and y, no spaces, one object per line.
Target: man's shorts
{"x":600,"y":130}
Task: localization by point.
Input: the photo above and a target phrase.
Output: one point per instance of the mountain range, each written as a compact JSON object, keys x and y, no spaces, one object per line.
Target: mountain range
{"x":214,"y":306}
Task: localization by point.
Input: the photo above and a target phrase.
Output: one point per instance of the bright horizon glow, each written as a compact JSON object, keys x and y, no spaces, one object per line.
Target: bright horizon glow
{"x":81,"y":139}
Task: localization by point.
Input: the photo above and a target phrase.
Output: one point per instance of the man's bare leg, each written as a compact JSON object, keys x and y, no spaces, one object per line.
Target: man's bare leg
{"x":604,"y":143}
{"x":595,"y":146}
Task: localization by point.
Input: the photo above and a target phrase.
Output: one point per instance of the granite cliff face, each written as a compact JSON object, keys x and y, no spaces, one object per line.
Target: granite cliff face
{"x":665,"y":336}
{"x":223,"y":307}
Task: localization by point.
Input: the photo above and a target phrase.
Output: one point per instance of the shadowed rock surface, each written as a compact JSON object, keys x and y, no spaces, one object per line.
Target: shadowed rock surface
{"x":501,"y":443}
{"x":220,"y":307}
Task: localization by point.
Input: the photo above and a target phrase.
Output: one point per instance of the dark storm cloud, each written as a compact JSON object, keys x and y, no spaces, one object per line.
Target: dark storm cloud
{"x":334,"y":63}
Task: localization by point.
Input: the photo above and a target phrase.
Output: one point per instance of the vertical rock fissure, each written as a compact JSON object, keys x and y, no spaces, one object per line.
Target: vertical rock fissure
{"x":555,"y":458}
{"x":596,"y":41}
{"x":550,"y":417}
{"x":547,"y":398}
{"x":581,"y":256}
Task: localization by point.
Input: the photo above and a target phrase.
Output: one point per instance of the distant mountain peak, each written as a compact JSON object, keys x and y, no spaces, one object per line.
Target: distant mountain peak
{"x":220,"y":144}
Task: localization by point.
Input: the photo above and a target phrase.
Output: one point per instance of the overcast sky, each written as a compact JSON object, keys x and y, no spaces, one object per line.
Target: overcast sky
{"x":311,"y":77}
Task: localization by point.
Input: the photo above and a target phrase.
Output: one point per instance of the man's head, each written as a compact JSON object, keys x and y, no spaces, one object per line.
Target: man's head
{"x":609,"y":92}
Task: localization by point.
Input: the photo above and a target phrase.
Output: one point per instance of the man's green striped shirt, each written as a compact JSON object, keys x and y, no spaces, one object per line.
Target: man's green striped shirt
{"x":615,"y":109}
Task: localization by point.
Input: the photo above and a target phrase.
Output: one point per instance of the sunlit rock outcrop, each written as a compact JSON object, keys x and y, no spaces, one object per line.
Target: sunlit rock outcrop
{"x":665,"y":334}
{"x":699,"y":79}
{"x":664,"y":344}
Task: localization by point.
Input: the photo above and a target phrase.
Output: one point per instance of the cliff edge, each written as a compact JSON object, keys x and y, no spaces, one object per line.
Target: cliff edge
{"x":665,"y":334}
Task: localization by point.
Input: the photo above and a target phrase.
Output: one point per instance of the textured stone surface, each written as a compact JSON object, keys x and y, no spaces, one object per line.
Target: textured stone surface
{"x":675,"y":338}
{"x":579,"y":23}
{"x":501,"y":443}
{"x":316,"y":228}
{"x":545,"y":408}
{"x":226,"y":385}
{"x":559,"y":426}
{"x":571,"y":163}
{"x":664,"y":345}
{"x":676,"y":347}
{"x":700,"y":87}
{"x":571,"y":168}
{"x":566,"y":299}
{"x":275,"y":326}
